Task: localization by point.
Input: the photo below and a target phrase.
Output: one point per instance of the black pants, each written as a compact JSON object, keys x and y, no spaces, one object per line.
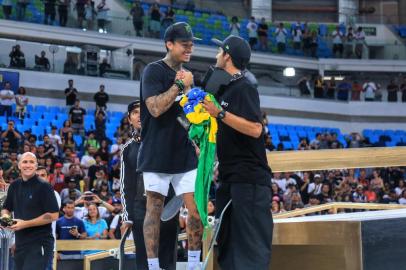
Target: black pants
{"x":167,"y":240}
{"x":49,"y":16}
{"x":63,"y":15}
{"x":245,"y":239}
{"x":35,"y":256}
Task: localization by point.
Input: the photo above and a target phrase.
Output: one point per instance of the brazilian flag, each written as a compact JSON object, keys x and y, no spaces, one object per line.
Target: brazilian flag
{"x":203,"y":132}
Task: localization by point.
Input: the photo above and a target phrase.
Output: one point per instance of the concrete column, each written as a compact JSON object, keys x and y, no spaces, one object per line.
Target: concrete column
{"x":402,"y":12}
{"x":262,"y":9}
{"x":347,"y":11}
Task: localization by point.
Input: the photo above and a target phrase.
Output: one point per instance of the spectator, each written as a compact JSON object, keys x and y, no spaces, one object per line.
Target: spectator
{"x":268,"y":144}
{"x":101,"y":98}
{"x":71,"y":93}
{"x":393,"y":90}
{"x":338,"y":38}
{"x":102,"y":16}
{"x":42,"y":63}
{"x":77,"y":116}
{"x":155,"y":21}
{"x":49,"y":12}
{"x":49,"y":149}
{"x":304,"y":86}
{"x":6,"y":100}
{"x":17,"y":58}
{"x":90,"y":14}
{"x":21,"y":103}
{"x":20,"y":9}
{"x":252,"y":28}
{"x":343,"y":90}
{"x":168,"y":20}
{"x":117,"y":219}
{"x":297,"y":38}
{"x":349,"y":44}
{"x":68,"y":142}
{"x":315,"y":186}
{"x":12,"y":135}
{"x":281,"y":34}
{"x":376,"y":182}
{"x":68,"y":227}
{"x":80,"y":10}
{"x":67,"y":127}
{"x":318,"y":87}
{"x":402,"y":199}
{"x":358,"y":195}
{"x":100,"y":124}
{"x":403,"y":89}
{"x":314,"y":44}
{"x":370,"y":195}
{"x":307,"y":42}
{"x":103,"y":67}
{"x":103,"y":192}
{"x":137,"y":13}
{"x":263,"y":35}
{"x":7,"y":8}
{"x":91,"y":141}
{"x":55,"y":140}
{"x":359,"y":42}
{"x":235,"y":27}
{"x":370,"y":89}
{"x":104,"y":151}
{"x":88,"y":158}
{"x":356,"y":91}
{"x":63,"y":12}
{"x":99,"y":165}
{"x":65,"y":193}
{"x":71,"y":64}
{"x":95,"y":226}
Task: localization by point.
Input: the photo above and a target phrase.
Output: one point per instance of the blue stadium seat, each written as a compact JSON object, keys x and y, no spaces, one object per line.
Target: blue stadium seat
{"x":78,"y":140}
{"x":37,"y":130}
{"x":49,"y":115}
{"x":35,"y":115}
{"x":53,"y":109}
{"x":287,"y":145}
{"x":62,"y":116}
{"x":3,"y":119}
{"x":4,"y":126}
{"x":40,"y":108}
{"x":30,"y":108}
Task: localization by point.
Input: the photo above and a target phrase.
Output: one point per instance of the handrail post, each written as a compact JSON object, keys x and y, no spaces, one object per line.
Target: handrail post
{"x":206,"y":246}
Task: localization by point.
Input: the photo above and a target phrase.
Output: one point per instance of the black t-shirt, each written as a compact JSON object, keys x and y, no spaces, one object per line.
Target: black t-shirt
{"x":71,"y":98}
{"x":241,"y":158}
{"x":28,"y":200}
{"x":101,"y":99}
{"x":77,"y":115}
{"x":165,"y":146}
{"x":263,"y":27}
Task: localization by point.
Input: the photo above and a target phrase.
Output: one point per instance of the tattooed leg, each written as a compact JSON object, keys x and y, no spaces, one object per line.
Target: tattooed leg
{"x":194,"y":226}
{"x":152,"y":221}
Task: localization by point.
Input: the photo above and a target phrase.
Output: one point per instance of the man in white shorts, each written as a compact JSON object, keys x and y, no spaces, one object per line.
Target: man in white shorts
{"x":166,"y":155}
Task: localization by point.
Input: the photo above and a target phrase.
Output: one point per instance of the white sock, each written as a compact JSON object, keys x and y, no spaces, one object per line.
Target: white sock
{"x":153,"y":264}
{"x":193,"y":259}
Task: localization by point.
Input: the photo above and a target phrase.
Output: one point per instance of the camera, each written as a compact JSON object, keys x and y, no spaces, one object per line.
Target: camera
{"x":88,"y":196}
{"x":7,"y":221}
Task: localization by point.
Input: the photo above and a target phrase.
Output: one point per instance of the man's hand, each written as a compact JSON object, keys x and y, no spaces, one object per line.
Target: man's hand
{"x":211,"y":108}
{"x":125,"y":226}
{"x":96,"y":199}
{"x":21,"y":224}
{"x":74,"y":231}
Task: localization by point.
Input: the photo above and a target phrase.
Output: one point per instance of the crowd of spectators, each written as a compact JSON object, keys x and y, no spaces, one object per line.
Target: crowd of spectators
{"x":350,"y":90}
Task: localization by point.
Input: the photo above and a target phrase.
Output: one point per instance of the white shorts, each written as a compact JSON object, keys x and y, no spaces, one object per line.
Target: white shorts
{"x":159,"y":182}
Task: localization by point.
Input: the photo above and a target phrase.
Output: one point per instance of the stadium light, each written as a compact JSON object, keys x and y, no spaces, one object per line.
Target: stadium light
{"x":289,"y":72}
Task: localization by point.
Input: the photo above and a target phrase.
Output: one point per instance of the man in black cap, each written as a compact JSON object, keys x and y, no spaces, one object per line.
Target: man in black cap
{"x":244,"y":173}
{"x":166,"y":155}
{"x":134,"y":200}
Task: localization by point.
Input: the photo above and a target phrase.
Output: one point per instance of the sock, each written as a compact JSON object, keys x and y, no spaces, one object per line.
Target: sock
{"x":153,"y":264}
{"x":193,"y":259}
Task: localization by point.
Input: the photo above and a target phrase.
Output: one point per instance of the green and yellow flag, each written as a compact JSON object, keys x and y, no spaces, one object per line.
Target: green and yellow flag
{"x":203,"y":131}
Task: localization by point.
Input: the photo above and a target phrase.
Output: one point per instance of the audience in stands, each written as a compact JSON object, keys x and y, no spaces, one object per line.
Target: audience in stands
{"x":102,"y":16}
{"x":101,"y":98}
{"x":338,"y":38}
{"x":393,"y":90}
{"x":235,"y":26}
{"x":403,"y":89}
{"x":7,"y":8}
{"x":49,"y":12}
{"x":281,"y":35}
{"x":297,"y":38}
{"x":41,"y":62}
{"x":90,"y":14}
{"x":263,"y":35}
{"x":77,"y":118}
{"x":252,"y":29}
{"x":21,"y":7}
{"x":359,"y":42}
{"x":71,"y":94}
{"x":155,"y":21}
{"x":6,"y":100}
{"x":17,"y":58}
{"x":103,"y":67}
{"x":137,"y":14}
{"x":370,"y":89}
{"x":63,"y":7}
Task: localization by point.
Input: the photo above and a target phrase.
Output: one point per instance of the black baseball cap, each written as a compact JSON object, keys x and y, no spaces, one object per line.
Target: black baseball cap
{"x":179,"y":31}
{"x":238,"y":48}
{"x":132,"y":106}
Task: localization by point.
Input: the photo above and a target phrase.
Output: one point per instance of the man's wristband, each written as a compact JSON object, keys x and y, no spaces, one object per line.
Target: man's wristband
{"x":180,"y":85}
{"x":221,"y":115}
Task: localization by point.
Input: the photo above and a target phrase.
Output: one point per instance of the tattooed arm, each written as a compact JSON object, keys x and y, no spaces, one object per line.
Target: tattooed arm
{"x":152,"y":222}
{"x":39,"y":221}
{"x":157,"y":105}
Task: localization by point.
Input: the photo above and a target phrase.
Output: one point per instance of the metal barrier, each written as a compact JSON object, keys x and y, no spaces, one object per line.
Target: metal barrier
{"x":6,"y":237}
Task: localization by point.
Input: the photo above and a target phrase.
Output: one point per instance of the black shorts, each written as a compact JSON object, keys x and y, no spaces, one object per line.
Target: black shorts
{"x":245,"y":239}
{"x":34,"y":256}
